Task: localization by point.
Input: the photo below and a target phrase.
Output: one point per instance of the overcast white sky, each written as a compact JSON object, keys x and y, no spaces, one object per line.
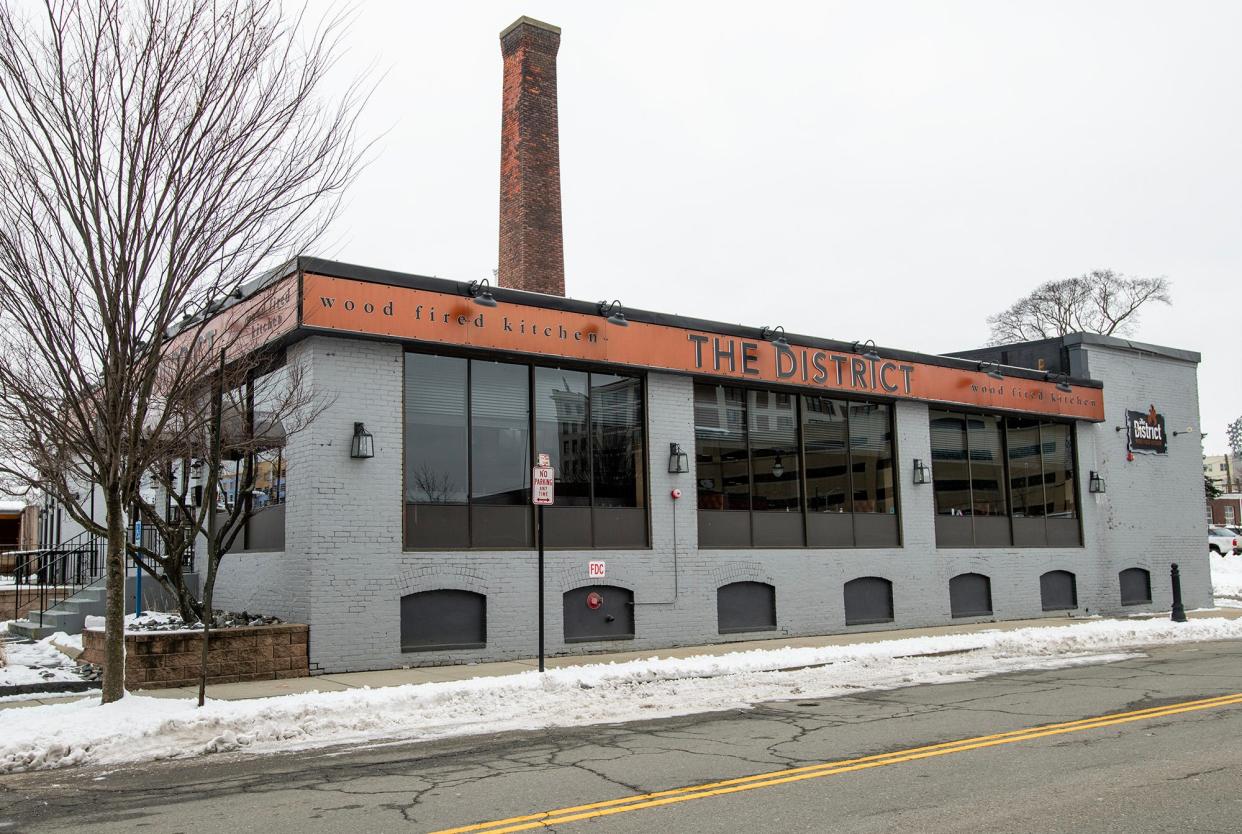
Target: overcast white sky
{"x":853,"y":170}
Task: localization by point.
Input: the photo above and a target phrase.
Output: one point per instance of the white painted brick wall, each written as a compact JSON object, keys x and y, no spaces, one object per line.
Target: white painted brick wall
{"x":345,"y":571}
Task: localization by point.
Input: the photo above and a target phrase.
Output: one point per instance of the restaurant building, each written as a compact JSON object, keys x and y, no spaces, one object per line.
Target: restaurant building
{"x":714,"y":482}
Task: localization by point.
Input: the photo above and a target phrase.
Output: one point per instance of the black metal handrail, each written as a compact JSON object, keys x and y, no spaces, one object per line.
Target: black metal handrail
{"x":54,"y":574}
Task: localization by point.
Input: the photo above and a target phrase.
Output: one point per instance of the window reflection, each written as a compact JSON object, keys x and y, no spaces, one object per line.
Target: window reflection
{"x":617,"y":441}
{"x":774,"y":452}
{"x":562,"y":430}
{"x":825,"y":434}
{"x":436,"y":450}
{"x":470,"y":437}
{"x":499,"y":433}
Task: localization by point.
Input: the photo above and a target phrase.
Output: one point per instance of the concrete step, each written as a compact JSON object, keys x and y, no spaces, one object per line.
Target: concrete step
{"x":94,"y":594}
{"x":58,"y":619}
{"x":31,"y":629}
{"x":79,"y":605}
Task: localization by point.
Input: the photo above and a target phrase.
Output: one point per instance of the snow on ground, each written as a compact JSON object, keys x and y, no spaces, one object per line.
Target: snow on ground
{"x":1227,"y":580}
{"x":142,"y":728}
{"x":39,"y":662}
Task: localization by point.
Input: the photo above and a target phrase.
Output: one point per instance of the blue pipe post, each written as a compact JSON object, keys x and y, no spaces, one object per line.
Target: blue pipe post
{"x":137,"y":571}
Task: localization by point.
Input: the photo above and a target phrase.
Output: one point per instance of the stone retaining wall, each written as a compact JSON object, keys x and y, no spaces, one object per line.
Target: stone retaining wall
{"x":160,"y":659}
{"x":30,"y":601}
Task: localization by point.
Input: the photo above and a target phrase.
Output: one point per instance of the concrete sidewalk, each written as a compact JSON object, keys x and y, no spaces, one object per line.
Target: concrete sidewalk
{"x":430,"y":674}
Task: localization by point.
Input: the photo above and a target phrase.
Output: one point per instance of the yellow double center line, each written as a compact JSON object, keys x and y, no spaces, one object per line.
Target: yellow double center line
{"x":637,"y":802}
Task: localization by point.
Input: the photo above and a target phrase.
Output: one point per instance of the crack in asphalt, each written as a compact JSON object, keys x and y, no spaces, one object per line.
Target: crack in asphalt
{"x":413,"y":782}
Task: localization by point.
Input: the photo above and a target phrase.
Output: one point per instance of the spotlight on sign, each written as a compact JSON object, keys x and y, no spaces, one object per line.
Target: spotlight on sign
{"x":867,"y":349}
{"x":775,"y":335}
{"x":612,"y":311}
{"x":481,"y":292}
{"x":991,"y":369}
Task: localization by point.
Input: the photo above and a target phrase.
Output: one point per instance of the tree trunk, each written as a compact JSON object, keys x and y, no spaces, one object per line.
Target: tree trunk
{"x":114,"y":612}
{"x":208,"y":587}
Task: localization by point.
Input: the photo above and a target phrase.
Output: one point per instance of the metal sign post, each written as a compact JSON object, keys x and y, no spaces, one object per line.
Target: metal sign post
{"x":543,"y":487}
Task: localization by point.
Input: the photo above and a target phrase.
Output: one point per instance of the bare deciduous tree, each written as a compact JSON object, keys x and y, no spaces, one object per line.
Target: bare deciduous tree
{"x":1101,"y":301}
{"x":244,"y":415}
{"x":153,"y":157}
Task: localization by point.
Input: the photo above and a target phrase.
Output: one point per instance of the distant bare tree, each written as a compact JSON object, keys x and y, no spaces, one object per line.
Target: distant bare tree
{"x":1101,"y":301}
{"x":153,"y":157}
{"x":434,"y":486}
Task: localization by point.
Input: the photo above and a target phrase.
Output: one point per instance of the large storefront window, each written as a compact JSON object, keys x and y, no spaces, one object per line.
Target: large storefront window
{"x":472,"y":428}
{"x":254,"y":434}
{"x":1003,"y":481}
{"x":782,"y":470}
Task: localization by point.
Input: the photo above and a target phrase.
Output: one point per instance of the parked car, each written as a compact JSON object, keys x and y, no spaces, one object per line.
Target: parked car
{"x":1223,"y":541}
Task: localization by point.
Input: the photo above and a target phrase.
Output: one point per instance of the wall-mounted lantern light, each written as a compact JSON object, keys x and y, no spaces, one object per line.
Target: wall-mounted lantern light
{"x":991,"y":369}
{"x":678,"y":461}
{"x":613,"y":311}
{"x":1095,"y":483}
{"x":922,"y":472}
{"x":363,"y":445}
{"x":778,"y":467}
{"x":775,"y":335}
{"x":481,"y":292}
{"x":867,"y":349}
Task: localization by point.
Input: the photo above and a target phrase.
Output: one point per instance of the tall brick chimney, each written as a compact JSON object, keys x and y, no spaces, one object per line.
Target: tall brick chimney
{"x":532,"y":250}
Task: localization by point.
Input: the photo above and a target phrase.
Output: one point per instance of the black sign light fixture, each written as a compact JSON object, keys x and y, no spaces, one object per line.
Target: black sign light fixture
{"x":678,"y":461}
{"x":1063,"y":383}
{"x":775,"y":335}
{"x":922,"y":472}
{"x":363,"y":444}
{"x":1095,"y":483}
{"x":867,"y":349}
{"x":481,"y":292}
{"x":991,"y":369}
{"x":613,"y":311}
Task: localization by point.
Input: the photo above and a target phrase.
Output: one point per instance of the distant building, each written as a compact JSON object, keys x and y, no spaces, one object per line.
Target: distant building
{"x":1225,"y":471}
{"x":1226,"y":510}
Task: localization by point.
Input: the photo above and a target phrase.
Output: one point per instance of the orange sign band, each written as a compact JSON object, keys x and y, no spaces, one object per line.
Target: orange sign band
{"x":348,"y":305}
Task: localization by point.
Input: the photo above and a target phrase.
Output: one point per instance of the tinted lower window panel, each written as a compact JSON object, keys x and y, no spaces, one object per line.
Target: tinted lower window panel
{"x":721,"y":528}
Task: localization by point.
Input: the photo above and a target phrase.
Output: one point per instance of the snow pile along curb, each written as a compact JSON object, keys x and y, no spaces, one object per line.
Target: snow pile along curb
{"x":142,"y":729}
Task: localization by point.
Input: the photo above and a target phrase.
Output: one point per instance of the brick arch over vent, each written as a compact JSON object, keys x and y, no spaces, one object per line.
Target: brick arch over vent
{"x":430,"y":577}
{"x":728,"y":572}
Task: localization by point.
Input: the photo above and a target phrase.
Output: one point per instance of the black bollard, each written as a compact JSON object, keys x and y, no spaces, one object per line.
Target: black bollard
{"x":1179,"y":611}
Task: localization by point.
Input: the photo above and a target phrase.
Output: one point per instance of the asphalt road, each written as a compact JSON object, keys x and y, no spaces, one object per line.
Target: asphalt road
{"x":1177,"y":768}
